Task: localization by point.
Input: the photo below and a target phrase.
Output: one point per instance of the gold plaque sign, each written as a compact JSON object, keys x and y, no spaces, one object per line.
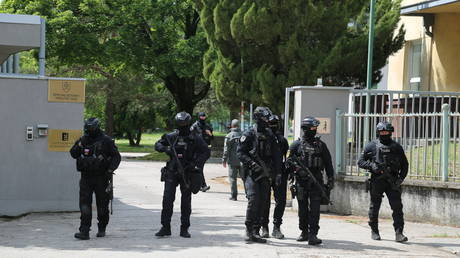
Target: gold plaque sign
{"x":62,"y":139}
{"x":66,"y":91}
{"x":324,"y":126}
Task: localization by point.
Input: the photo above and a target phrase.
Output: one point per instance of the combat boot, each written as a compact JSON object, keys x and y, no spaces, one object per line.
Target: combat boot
{"x":399,"y":236}
{"x":184,"y":232}
{"x":251,"y":237}
{"x":277,"y":232}
{"x":314,"y":240}
{"x":82,"y":235}
{"x":265,"y":233}
{"x":101,"y":233}
{"x":375,"y":235}
{"x":205,"y":188}
{"x":256,"y":231}
{"x":164,"y":231}
{"x":303,"y":236}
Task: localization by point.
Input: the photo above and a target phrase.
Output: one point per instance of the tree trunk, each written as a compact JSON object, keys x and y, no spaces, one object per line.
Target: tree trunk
{"x":109,"y":112}
{"x":138,"y":136}
{"x":183,"y":91}
{"x":131,"y":139}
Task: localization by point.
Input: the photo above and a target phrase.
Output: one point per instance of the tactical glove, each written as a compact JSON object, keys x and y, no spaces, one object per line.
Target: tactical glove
{"x":376,"y":168}
{"x":398,"y":182}
{"x":169,"y":151}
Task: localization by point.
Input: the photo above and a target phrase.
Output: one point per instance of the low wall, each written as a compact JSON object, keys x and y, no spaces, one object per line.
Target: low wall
{"x":423,"y":201}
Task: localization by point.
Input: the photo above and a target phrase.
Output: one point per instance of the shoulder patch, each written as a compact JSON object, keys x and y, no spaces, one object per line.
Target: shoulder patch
{"x":243,"y":138}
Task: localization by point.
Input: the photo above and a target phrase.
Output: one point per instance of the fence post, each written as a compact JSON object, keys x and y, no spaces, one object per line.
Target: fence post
{"x":338,"y":141}
{"x":445,"y":142}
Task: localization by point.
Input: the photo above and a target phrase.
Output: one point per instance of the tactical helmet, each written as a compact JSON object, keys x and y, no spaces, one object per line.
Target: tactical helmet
{"x":309,"y":122}
{"x":262,"y":113}
{"x":201,"y":114}
{"x":183,"y":119}
{"x":385,"y":126}
{"x":92,"y":126}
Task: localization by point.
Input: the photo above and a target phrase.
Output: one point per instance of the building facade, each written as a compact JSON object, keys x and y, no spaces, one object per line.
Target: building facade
{"x":428,"y":60}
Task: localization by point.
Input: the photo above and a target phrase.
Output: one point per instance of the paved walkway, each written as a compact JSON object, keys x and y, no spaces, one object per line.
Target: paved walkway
{"x":217,"y":228}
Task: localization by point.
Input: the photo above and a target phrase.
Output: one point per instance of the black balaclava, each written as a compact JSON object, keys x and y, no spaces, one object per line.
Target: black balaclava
{"x":309,"y":134}
{"x":201,"y":120}
{"x":184,"y":130}
{"x":385,"y":139}
{"x":262,"y":125}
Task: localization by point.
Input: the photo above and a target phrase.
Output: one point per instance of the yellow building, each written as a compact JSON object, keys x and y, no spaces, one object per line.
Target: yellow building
{"x":429,"y":60}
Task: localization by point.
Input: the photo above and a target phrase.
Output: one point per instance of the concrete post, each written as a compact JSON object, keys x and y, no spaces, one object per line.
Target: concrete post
{"x":445,"y":142}
{"x":338,"y":141}
{"x":9,"y":64}
{"x":16,"y":65}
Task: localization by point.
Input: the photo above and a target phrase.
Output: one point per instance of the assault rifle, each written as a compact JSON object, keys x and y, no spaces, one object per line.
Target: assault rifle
{"x":294,"y":160}
{"x":180,"y":168}
{"x":388,"y":175}
{"x":266,"y":170}
{"x":109,"y":191}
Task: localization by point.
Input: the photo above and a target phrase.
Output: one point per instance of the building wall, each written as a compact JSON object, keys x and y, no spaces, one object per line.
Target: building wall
{"x":32,"y":179}
{"x":439,"y":69}
{"x":423,"y":201}
{"x":446,"y":53}
{"x":397,"y":77}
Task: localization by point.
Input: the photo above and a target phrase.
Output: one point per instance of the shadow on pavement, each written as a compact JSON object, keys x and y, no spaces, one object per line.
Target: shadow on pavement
{"x":131,"y":229}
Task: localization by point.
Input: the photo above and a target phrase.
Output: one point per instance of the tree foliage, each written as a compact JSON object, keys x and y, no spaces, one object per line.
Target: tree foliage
{"x":257,"y":48}
{"x":122,"y":45}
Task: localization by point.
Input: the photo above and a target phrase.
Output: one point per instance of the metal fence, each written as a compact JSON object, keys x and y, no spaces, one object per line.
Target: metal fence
{"x":426,"y":125}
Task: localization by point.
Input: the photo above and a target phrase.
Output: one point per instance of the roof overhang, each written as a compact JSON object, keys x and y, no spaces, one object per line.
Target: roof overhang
{"x":18,"y":33}
{"x":431,"y":7}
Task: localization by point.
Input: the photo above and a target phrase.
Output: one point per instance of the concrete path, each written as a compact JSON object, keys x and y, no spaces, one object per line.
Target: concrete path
{"x":217,"y":228}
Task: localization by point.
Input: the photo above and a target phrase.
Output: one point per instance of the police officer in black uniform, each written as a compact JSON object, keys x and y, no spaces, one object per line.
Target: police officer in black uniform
{"x":386,"y":161}
{"x":192,"y":152}
{"x":97,"y":157}
{"x":204,"y":129}
{"x":259,"y":153}
{"x":278,"y":190}
{"x":313,"y":154}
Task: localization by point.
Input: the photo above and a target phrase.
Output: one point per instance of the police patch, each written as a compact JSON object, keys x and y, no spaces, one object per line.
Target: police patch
{"x":243,"y":138}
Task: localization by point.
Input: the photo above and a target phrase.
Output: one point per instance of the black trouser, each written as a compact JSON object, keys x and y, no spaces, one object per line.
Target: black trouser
{"x":257,"y":200}
{"x":279,"y":193}
{"x":202,"y":176}
{"x":309,"y":200}
{"x":88,"y":186}
{"x":169,"y":195}
{"x":378,"y":187}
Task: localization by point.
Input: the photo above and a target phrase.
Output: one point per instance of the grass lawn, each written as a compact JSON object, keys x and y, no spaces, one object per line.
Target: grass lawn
{"x":147,"y":142}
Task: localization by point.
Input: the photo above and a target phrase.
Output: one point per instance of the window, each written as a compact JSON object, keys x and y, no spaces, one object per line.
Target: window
{"x":415,"y":65}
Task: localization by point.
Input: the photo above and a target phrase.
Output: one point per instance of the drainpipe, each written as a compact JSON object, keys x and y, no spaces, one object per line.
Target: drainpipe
{"x":41,"y":54}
